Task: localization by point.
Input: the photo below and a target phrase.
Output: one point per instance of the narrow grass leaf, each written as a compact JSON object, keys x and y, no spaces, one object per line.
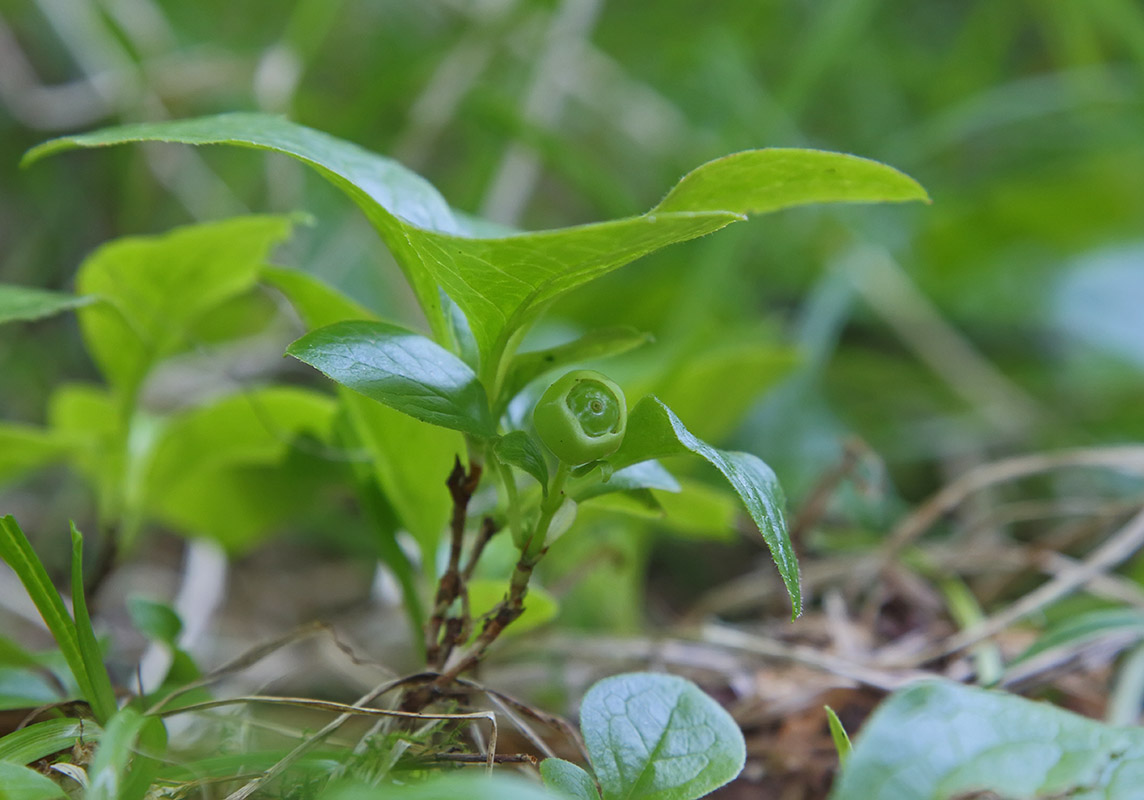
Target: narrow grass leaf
{"x":102,"y":697}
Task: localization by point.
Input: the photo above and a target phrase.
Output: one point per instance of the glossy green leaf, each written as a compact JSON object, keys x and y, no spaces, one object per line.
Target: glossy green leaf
{"x":18,"y":553}
{"x":658,"y":736}
{"x":568,"y":779}
{"x":528,"y":366}
{"x":26,"y":303}
{"x":402,"y":370}
{"x":520,"y":450}
{"x":21,"y":783}
{"x":655,"y":432}
{"x":157,"y":287}
{"x":102,"y":698}
{"x":24,"y":448}
{"x":41,"y":739}
{"x":937,"y":740}
{"x":503,"y":283}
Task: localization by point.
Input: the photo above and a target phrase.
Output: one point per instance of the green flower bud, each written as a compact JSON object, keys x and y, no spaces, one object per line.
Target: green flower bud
{"x":581,"y":417}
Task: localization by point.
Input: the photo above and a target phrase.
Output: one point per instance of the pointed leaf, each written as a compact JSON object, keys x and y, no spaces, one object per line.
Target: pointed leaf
{"x":644,"y":475}
{"x":17,"y":551}
{"x":102,"y":697}
{"x":41,"y":739}
{"x":938,"y":740}
{"x":503,"y":283}
{"x":402,"y":370}
{"x":655,"y":432}
{"x":520,"y":450}
{"x":658,"y":736}
{"x":25,"y":303}
{"x":568,"y":779}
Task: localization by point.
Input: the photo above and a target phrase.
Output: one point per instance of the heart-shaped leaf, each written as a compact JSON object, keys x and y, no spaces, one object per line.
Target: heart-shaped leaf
{"x":655,"y":432}
{"x":658,"y":736}
{"x":402,"y":370}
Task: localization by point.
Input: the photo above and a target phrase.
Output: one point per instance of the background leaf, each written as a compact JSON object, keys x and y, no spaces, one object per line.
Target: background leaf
{"x":938,"y":740}
{"x":658,"y":736}
{"x":24,"y":448}
{"x":27,"y":303}
{"x":655,"y":432}
{"x":402,"y":370}
{"x":157,"y":287}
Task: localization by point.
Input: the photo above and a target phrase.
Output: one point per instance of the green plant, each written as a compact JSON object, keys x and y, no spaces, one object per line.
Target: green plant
{"x":413,"y":404}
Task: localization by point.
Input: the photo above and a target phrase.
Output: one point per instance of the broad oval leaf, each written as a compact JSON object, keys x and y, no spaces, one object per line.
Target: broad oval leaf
{"x":655,"y":432}
{"x":658,"y":736}
{"x":520,"y":450}
{"x":503,"y":283}
{"x":938,"y":740}
{"x":26,"y":303}
{"x":568,"y":779}
{"x":402,"y":370}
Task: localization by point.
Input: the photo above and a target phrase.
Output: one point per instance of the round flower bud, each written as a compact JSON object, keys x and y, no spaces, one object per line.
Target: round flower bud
{"x":581,"y":417}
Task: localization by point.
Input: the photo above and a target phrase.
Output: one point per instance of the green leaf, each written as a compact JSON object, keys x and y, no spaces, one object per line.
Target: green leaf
{"x":155,"y":620}
{"x":25,"y":303}
{"x":402,"y":370}
{"x":655,"y":432}
{"x":521,"y":451}
{"x":24,"y":448}
{"x":157,"y":287}
{"x":658,"y":736}
{"x":102,"y":698}
{"x":568,"y":779}
{"x":108,"y":774}
{"x":468,"y":786}
{"x":316,"y":303}
{"x":502,"y":284}
{"x":540,"y":607}
{"x":759,"y":181}
{"x":411,"y":462}
{"x":22,"y":783}
{"x":643,"y":475}
{"x":25,"y":688}
{"x":1086,"y":627}
{"x":18,"y":553}
{"x":937,"y":740}
{"x":838,"y":734}
{"x":88,"y":416}
{"x":527,"y":367}
{"x":700,"y":511}
{"x":41,"y":739}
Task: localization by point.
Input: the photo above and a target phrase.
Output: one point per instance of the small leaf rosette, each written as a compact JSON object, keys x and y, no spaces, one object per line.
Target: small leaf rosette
{"x":581,"y":417}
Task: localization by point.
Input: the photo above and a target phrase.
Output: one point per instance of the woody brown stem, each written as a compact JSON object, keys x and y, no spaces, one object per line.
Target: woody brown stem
{"x":451,"y":586}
